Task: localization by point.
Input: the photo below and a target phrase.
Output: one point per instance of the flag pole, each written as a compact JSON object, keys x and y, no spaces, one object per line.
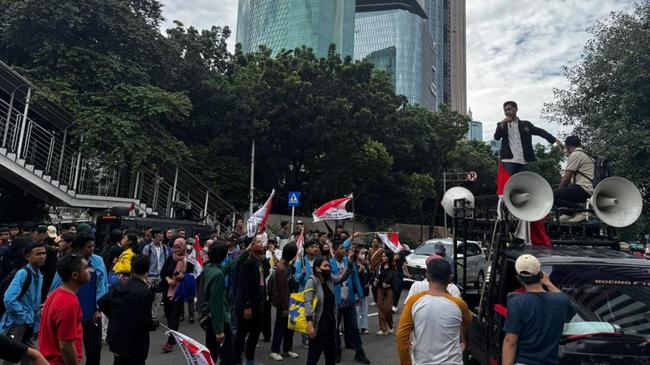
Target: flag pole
{"x":354,"y":213}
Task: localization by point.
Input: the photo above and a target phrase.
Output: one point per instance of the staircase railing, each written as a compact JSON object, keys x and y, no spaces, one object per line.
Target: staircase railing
{"x":165,"y":192}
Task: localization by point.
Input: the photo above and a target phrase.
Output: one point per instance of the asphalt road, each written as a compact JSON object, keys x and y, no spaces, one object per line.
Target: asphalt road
{"x":379,"y":349}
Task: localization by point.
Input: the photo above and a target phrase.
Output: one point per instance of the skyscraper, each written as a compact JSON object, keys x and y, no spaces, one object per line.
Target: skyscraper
{"x":457,"y":62}
{"x":289,"y":24}
{"x":394,"y":36}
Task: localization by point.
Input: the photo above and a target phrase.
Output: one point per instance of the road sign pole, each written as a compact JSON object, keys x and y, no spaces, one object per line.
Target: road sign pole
{"x":293,"y":216}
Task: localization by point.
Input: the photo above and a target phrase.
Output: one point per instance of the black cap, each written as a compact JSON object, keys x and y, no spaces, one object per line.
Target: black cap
{"x":573,"y":141}
{"x":40,"y":228}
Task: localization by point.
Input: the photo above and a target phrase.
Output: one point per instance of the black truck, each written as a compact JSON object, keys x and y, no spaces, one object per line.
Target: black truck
{"x":609,"y":289}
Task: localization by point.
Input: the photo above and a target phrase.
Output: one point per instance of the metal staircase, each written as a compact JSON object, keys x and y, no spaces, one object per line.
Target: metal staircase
{"x":37,"y":155}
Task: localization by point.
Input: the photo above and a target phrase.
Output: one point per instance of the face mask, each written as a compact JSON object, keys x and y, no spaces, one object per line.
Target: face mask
{"x":362,"y":256}
{"x":325,"y":273}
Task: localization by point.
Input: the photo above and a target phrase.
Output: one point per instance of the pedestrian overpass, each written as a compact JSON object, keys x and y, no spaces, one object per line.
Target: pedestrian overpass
{"x":38,"y":153}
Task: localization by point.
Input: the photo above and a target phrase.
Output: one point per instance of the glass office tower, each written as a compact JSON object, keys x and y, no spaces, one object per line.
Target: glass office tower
{"x":394,"y":37}
{"x":290,"y":24}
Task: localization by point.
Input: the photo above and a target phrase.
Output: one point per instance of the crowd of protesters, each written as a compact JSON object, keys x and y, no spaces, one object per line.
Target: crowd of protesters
{"x":64,"y":295}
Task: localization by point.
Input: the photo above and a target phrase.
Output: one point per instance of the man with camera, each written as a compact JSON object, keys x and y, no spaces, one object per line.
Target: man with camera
{"x":536,"y":318}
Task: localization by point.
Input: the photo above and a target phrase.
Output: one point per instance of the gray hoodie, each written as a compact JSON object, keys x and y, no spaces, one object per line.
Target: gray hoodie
{"x":314,"y":284}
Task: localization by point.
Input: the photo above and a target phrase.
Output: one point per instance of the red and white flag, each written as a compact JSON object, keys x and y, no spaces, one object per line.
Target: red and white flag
{"x":194,"y":352}
{"x":300,"y":242}
{"x":531,"y":232}
{"x":194,"y":257}
{"x":132,"y":212}
{"x":391,"y":240}
{"x":257,"y":222}
{"x":333,"y":210}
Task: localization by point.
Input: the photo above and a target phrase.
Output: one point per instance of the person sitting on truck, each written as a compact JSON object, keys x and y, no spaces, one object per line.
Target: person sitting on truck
{"x":576,"y":184}
{"x":535,"y":318}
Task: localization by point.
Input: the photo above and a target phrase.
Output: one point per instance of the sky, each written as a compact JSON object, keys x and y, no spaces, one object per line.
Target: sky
{"x":515,"y":48}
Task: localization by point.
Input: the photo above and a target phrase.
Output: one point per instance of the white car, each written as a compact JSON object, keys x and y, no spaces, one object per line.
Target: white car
{"x":476,"y":262}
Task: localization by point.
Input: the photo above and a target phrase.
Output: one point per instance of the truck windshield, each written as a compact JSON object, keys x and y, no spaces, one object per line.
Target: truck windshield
{"x":607,"y":299}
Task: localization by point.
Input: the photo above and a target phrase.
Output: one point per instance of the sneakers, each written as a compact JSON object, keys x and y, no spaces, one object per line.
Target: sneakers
{"x":394,"y":309}
{"x":362,"y":359}
{"x":373,"y":304}
{"x":167,"y":348}
{"x":291,"y":354}
{"x":381,"y":333}
{"x":275,"y":356}
{"x":364,"y":331}
{"x":579,"y":217}
{"x":390,"y":330}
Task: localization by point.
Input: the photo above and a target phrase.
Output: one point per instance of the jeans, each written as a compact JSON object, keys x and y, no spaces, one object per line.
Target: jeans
{"x":570,"y":196}
{"x":92,"y":337}
{"x":351,"y":332}
{"x":281,"y":334}
{"x":25,"y":335}
{"x":217,"y":350}
{"x":251,"y":328}
{"x":363,"y":313}
{"x":173,"y":313}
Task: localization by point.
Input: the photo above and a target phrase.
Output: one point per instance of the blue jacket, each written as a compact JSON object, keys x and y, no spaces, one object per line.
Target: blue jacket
{"x":301,"y":277}
{"x":23,"y":310}
{"x":355,"y":291}
{"x":155,"y":262}
{"x":96,"y":262}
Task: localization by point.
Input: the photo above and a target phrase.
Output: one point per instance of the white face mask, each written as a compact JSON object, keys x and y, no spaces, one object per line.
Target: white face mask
{"x":362,"y":256}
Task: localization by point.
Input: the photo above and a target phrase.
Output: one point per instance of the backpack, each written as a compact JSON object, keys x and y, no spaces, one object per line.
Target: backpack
{"x":4,"y":285}
{"x":602,"y":169}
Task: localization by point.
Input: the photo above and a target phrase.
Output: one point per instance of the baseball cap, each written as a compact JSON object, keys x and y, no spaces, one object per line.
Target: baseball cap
{"x":527,"y":266}
{"x":439,"y":248}
{"x":51,"y":231}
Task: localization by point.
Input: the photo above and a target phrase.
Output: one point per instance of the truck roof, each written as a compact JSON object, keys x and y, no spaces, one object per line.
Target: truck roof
{"x":577,"y":254}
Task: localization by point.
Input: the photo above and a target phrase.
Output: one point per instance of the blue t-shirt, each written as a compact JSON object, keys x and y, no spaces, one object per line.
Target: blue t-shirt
{"x":538,"y":320}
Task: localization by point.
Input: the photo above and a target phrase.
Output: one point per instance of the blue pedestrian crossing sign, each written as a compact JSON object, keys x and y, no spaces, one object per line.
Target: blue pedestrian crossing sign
{"x":294,"y":198}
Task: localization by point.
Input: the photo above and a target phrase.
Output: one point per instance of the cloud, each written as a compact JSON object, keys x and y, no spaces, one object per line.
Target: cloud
{"x":516,"y":51}
{"x":202,"y":14}
{"x":515,"y":48}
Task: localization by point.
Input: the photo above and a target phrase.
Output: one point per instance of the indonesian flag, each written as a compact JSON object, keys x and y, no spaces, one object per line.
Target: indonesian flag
{"x":132,"y":210}
{"x":531,"y":232}
{"x":391,"y":240}
{"x":195,"y":258}
{"x":333,"y":210}
{"x":193,"y":351}
{"x":257,"y":222}
{"x":300,"y":241}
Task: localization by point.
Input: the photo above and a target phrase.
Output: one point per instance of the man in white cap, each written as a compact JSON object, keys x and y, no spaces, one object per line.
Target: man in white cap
{"x":536,"y":318}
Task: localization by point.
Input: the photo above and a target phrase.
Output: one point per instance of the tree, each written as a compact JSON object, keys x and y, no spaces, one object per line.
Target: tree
{"x":608,"y":100}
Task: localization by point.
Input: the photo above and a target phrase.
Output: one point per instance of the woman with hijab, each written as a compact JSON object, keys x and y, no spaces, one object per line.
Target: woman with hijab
{"x":176,"y":271}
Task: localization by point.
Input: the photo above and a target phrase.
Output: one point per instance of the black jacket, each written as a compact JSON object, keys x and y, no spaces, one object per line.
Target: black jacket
{"x":250,"y":291}
{"x":167,"y":271}
{"x":526,"y":131}
{"x":128,"y":308}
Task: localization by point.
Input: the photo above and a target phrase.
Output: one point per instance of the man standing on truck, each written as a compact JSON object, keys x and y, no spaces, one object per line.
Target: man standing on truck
{"x":536,"y":318}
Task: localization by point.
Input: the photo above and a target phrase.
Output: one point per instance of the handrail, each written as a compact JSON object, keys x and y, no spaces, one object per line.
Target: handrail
{"x":55,"y":156}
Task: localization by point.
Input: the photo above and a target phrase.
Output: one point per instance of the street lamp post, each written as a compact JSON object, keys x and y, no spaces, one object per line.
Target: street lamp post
{"x":252,"y":182}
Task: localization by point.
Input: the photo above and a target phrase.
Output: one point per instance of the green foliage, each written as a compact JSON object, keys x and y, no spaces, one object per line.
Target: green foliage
{"x":608,"y":99}
{"x":548,"y":163}
{"x":476,"y":156}
{"x":326,"y":127}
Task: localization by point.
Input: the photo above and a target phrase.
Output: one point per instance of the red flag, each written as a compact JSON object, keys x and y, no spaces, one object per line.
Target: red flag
{"x":132,"y":210}
{"x":193,"y":351}
{"x":333,"y":210}
{"x":257,"y":222}
{"x":391,"y":240}
{"x":197,"y":249}
{"x":300,"y":241}
{"x":537,"y":231}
